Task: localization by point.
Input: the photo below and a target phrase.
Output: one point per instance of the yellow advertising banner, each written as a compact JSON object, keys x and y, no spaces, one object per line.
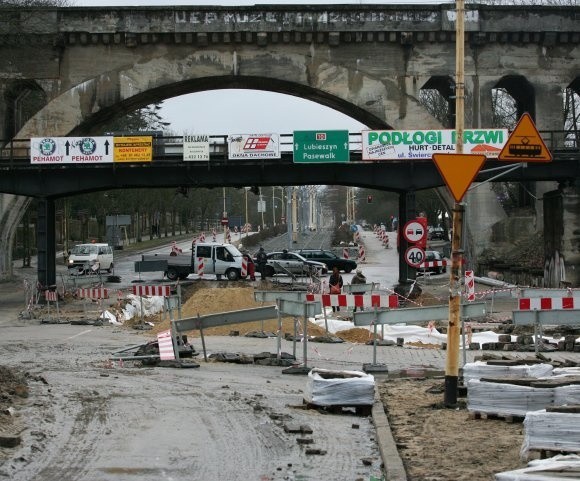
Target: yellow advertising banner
{"x":133,"y":149}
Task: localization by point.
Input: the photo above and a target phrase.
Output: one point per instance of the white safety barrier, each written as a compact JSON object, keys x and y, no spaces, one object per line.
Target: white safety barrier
{"x":547,"y":303}
{"x":93,"y":293}
{"x":427,"y":264}
{"x":354,"y":300}
{"x":165,"y":342}
{"x":164,"y":291}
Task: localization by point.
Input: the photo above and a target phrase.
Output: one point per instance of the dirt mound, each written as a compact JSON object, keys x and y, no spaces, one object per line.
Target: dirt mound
{"x":356,"y":335}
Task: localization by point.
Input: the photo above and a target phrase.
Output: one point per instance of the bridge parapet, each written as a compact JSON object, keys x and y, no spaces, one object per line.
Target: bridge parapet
{"x":204,"y":25}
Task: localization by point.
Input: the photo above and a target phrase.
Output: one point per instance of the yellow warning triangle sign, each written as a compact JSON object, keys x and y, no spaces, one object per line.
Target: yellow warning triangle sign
{"x":525,"y":144}
{"x":458,"y":171}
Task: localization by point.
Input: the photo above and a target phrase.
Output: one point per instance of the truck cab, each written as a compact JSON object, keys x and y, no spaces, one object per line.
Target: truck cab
{"x":218,"y":259}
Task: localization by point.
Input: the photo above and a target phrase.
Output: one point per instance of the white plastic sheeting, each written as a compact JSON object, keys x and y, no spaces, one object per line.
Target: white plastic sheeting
{"x":326,"y":387}
{"x":506,"y":399}
{"x":558,"y":468}
{"x":551,"y":431}
{"x":567,"y":395}
{"x":151,"y":305}
{"x":479,"y":369}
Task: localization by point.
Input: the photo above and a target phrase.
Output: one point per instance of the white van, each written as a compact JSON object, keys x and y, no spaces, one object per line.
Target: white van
{"x":94,"y":257}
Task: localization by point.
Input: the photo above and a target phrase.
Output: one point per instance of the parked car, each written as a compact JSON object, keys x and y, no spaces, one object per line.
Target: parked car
{"x":284,"y":262}
{"x":431,"y":256}
{"x":436,"y":233}
{"x":329,"y":258}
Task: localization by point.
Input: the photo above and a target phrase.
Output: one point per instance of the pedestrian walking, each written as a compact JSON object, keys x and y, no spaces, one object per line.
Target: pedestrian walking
{"x":359,"y":278}
{"x":335,"y":282}
{"x":262,"y":260}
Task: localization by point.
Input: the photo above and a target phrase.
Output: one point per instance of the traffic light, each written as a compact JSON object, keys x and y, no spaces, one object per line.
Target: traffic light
{"x":369,"y":199}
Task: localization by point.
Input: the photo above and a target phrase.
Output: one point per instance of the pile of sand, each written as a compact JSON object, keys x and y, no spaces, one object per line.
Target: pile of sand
{"x":205,"y":299}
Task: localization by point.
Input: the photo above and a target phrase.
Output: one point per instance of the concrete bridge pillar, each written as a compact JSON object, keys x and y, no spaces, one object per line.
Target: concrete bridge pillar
{"x":562,"y":237}
{"x":46,"y":242}
{"x":407,"y":211}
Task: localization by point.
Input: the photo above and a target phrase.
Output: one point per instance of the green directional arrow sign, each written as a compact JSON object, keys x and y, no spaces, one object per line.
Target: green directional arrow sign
{"x":317,"y":146}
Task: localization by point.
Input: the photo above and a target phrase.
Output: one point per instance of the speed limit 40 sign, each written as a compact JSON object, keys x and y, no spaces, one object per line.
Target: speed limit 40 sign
{"x":414,"y":256}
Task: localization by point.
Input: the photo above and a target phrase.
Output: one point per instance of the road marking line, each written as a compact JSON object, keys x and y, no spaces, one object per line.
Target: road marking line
{"x":79,"y":334}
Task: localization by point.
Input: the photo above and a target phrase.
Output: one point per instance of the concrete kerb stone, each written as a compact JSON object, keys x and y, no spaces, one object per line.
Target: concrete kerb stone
{"x":392,"y":462}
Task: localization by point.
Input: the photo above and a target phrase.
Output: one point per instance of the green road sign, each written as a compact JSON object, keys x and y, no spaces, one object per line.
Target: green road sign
{"x":316,"y":146}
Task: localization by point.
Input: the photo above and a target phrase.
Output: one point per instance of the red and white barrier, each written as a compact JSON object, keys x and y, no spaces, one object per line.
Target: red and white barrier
{"x":470,"y":285}
{"x":244,"y":272}
{"x":345,"y":253}
{"x":354,"y":300}
{"x":93,"y":293}
{"x":548,"y":303}
{"x":428,"y":264}
{"x":202,"y":237}
{"x":165,"y":346}
{"x":213,"y":234}
{"x":164,"y":291}
{"x":177,"y":250}
{"x":361,"y":253}
{"x":193,"y":242}
{"x":200,"y":266}
{"x":51,"y":296}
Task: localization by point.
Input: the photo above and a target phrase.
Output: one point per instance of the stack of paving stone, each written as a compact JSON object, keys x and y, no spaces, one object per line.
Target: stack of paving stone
{"x":516,"y":396}
{"x":526,"y":343}
{"x":339,"y":388}
{"x":553,"y":429}
{"x":505,"y":368}
{"x":558,"y":468}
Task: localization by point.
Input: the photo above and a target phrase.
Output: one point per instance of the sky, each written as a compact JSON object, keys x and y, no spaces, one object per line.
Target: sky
{"x":287,"y":113}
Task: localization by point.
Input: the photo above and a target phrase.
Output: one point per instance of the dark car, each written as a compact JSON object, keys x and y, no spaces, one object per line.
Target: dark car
{"x":436,"y":233}
{"x":437,"y":257}
{"x":329,"y":258}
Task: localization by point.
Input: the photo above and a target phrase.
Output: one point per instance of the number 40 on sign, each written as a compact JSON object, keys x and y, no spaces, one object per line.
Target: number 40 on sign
{"x":414,"y":256}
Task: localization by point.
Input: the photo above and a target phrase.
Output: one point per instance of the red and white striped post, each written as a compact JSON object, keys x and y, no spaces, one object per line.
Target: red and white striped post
{"x":345,"y":252}
{"x":244,"y":272}
{"x":200,"y":267}
{"x":361,"y":253}
{"x":202,"y":237}
{"x":470,"y":285}
{"x":213,"y":234}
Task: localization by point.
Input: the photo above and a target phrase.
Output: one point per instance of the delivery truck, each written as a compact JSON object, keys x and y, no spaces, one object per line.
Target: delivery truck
{"x":219,"y":259}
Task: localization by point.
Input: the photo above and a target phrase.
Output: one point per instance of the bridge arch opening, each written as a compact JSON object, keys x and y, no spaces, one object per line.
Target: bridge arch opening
{"x":572,"y":114}
{"x":512,"y":96}
{"x":95,"y":122}
{"x":438,"y":97}
{"x":23,"y":98}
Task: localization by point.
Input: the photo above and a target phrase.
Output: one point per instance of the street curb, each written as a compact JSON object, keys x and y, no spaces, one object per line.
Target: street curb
{"x":392,"y":462}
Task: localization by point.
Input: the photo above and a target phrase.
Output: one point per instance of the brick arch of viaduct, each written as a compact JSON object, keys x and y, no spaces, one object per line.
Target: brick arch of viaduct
{"x":370,"y":64}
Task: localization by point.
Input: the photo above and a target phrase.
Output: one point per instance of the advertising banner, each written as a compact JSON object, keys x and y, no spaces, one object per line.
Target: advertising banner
{"x":196,"y":147}
{"x":422,"y":144}
{"x":133,"y":149}
{"x":254,"y":146}
{"x":71,"y":150}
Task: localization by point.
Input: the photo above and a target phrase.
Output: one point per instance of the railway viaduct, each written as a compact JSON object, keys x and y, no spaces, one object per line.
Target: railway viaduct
{"x":66,"y":71}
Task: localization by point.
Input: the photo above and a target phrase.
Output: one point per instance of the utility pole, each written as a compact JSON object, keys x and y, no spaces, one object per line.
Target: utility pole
{"x":273,"y":208}
{"x":289,"y":219}
{"x":294,"y":217}
{"x":225,"y":215}
{"x":454,"y":329}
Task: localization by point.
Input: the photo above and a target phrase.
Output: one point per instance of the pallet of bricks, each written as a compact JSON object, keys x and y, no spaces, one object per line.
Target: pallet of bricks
{"x":547,"y":399}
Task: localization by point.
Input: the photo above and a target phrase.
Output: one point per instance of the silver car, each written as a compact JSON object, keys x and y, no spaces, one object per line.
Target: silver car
{"x":293,"y":263}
